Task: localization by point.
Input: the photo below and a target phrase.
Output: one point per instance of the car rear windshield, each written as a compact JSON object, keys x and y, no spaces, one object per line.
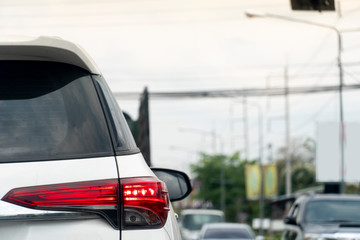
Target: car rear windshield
{"x":327,"y":211}
{"x":49,"y":111}
{"x":196,"y":221}
{"x":227,"y":233}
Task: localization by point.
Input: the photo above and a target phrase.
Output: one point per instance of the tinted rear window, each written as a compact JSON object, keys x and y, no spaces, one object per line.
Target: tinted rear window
{"x":327,"y":211}
{"x":49,"y":111}
{"x":227,"y":233}
{"x":196,"y":221}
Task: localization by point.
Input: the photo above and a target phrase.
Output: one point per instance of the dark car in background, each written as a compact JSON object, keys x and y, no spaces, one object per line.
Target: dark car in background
{"x":323,"y":216}
{"x":221,"y":231}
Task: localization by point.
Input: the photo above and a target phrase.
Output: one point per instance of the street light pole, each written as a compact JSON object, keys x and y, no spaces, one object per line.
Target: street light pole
{"x":287,"y":137}
{"x":261,"y":144}
{"x":341,"y":76}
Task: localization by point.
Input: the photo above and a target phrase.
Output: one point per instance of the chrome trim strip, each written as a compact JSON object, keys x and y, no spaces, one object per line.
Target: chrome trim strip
{"x":49,"y":216}
{"x":11,"y":212}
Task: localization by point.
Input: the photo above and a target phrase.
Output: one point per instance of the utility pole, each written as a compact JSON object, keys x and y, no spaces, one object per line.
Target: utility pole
{"x":342,"y":121}
{"x":222,"y":185}
{"x":262,"y":180}
{"x":261,"y":166}
{"x":222,"y":171}
{"x":267,"y":114}
{"x":287,"y":130}
{"x":246,"y":129}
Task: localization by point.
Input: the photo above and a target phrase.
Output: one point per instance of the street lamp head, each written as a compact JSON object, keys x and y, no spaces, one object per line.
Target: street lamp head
{"x":254,"y":14}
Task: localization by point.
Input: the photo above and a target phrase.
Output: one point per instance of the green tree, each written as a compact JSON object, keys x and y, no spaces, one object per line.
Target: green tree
{"x":302,"y":155}
{"x":208,"y":170}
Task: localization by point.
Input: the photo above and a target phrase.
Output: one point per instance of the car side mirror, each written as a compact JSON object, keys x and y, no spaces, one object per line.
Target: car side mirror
{"x":290,"y":220}
{"x":178,"y":183}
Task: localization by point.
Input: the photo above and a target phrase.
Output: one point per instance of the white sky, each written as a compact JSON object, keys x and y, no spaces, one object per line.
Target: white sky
{"x":176,"y":45}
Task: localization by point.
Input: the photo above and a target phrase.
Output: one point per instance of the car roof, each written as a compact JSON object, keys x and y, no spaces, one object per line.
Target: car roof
{"x":335,"y":197}
{"x":202,"y":211}
{"x":44,"y":48}
{"x":227,"y":225}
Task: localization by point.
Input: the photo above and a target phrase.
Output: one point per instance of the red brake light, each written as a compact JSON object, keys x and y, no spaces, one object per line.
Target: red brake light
{"x":100,"y":197}
{"x":146,"y":202}
{"x":90,"y":193}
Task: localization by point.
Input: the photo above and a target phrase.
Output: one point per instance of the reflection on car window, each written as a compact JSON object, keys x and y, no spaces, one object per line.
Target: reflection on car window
{"x":333,"y":211}
{"x":227,"y":233}
{"x":196,"y":221}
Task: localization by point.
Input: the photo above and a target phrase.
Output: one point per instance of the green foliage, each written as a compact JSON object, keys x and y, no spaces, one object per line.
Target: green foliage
{"x":208,"y":172}
{"x":302,"y":155}
{"x":352,"y":188}
{"x":302,"y":176}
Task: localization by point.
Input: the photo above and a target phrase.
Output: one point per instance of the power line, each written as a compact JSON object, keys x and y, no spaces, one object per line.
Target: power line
{"x":251,"y":92}
{"x":310,"y":119}
{"x":313,"y":55}
{"x":352,"y":75}
{"x":228,"y":69}
{"x":223,"y":79}
{"x":319,"y":79}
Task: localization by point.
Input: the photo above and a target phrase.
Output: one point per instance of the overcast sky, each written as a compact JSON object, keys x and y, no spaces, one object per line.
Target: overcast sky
{"x":184,"y":45}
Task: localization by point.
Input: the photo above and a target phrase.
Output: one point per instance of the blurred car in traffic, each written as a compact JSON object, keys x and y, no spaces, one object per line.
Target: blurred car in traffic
{"x":221,"y":231}
{"x":192,"y":220}
{"x":323,"y":216}
{"x":69,"y":166}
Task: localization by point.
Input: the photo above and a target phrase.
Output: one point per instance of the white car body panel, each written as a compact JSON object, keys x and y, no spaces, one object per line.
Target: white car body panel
{"x":53,"y":172}
{"x":133,"y":166}
{"x":172,"y":226}
{"x":92,"y":229}
{"x":153,"y":234}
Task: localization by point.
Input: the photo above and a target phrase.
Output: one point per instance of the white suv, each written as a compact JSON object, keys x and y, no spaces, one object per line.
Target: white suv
{"x":69,"y":167}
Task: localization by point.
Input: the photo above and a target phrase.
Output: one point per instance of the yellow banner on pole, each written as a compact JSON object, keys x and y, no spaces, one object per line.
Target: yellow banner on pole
{"x":252,"y":181}
{"x":270,"y":181}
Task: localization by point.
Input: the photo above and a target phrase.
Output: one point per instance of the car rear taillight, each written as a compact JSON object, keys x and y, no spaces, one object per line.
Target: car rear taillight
{"x":70,"y":194}
{"x":100,"y":197}
{"x":145,"y":201}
